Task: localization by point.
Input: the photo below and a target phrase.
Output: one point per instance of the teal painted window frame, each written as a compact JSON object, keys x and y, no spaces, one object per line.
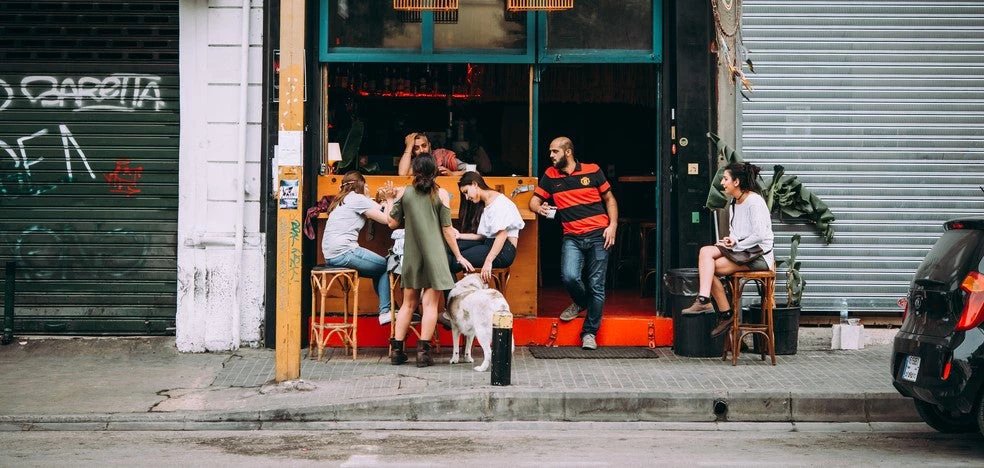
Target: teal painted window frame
{"x":546,"y":55}
{"x":536,"y":48}
{"x":426,"y":53}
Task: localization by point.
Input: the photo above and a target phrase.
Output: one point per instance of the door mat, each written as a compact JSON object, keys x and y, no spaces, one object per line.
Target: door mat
{"x":603,"y":352}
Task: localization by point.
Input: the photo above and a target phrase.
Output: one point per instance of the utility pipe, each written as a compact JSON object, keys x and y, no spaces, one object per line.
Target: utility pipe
{"x":237,"y":302}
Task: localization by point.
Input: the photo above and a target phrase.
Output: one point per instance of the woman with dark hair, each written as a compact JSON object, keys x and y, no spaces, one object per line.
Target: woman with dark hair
{"x":425,"y":211}
{"x":747,"y":247}
{"x":489,"y":228}
{"x":347,"y":214}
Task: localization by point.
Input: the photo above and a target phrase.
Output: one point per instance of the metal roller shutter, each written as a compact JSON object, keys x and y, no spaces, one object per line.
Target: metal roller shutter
{"x":88,"y":164}
{"x":878,"y":107}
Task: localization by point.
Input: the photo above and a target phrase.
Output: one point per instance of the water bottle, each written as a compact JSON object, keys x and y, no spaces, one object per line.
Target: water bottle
{"x":843,"y":311}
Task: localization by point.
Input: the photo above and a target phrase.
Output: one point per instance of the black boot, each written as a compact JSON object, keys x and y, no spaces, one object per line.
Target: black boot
{"x":424,"y":358}
{"x":397,"y":356}
{"x":724,"y":324}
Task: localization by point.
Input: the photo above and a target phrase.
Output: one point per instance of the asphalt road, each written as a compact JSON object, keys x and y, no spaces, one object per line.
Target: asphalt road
{"x":506,"y":444}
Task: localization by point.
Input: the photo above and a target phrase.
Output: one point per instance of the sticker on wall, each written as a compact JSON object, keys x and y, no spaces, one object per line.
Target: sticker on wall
{"x":288,"y":194}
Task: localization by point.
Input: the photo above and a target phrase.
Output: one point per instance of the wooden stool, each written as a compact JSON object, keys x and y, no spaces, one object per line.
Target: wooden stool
{"x":767,"y":284}
{"x":322,"y":280}
{"x":621,"y":254}
{"x":394,"y":307}
{"x":645,"y":269}
{"x":500,"y":278}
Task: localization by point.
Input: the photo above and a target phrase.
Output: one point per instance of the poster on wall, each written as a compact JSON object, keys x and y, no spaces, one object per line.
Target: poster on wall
{"x":288,"y":194}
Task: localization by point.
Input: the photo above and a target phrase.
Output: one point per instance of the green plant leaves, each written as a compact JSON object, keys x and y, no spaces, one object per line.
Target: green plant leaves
{"x":784,"y":194}
{"x":794,"y":281}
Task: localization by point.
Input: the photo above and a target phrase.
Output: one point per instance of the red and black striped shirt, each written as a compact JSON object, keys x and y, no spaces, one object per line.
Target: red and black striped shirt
{"x":577,"y":195}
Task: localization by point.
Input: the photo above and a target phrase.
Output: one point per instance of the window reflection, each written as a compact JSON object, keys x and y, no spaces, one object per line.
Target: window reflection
{"x":371,"y":24}
{"x":482,"y":24}
{"x":602,"y":24}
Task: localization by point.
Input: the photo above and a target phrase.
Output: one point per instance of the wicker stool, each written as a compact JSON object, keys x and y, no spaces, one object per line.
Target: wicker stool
{"x":394,"y":307}
{"x":767,"y":282}
{"x":322,"y":280}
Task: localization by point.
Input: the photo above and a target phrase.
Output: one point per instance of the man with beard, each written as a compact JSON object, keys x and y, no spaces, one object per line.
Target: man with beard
{"x":417,"y":144}
{"x":588,"y":215}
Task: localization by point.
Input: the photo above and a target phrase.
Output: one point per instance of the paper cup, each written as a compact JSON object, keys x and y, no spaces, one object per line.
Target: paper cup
{"x":551,"y":213}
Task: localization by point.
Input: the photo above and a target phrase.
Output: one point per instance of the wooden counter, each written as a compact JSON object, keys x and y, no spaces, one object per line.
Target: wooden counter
{"x":521,"y":292}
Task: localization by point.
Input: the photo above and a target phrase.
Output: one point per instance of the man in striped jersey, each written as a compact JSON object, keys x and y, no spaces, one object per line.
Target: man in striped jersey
{"x":588,"y":215}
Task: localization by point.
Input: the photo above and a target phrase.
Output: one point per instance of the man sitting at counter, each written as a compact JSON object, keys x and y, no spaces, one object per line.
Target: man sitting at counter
{"x":418,"y":143}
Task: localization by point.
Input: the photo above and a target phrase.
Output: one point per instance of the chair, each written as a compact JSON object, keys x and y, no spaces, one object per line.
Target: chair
{"x":394,"y":307}
{"x":323,"y":278}
{"x":647,"y":268}
{"x":767,"y":284}
{"x":623,"y":253}
{"x":500,"y":278}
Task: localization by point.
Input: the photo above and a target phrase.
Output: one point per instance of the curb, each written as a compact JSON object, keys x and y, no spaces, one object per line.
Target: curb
{"x":507,"y":406}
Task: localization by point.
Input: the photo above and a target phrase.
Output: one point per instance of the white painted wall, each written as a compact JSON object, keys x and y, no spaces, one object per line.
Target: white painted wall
{"x":210,"y":179}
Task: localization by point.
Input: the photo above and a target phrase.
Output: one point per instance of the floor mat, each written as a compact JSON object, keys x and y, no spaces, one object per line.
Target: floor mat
{"x":603,"y":352}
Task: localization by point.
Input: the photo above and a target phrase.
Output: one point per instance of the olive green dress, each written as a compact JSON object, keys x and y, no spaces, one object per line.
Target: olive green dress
{"x":425,"y":263}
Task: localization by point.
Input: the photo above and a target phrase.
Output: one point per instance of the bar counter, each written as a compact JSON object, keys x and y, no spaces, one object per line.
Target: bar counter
{"x":521,"y":292}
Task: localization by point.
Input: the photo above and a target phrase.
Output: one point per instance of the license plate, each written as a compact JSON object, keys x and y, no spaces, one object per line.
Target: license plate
{"x":911,"y":369}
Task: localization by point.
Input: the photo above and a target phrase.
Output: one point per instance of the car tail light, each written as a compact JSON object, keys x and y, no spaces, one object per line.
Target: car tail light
{"x":946,"y":370}
{"x":904,"y":304}
{"x":973,"y":311}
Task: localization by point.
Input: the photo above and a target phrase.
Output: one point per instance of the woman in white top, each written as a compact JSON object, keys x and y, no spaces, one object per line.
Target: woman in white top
{"x":492,"y":242}
{"x":751,"y":231}
{"x":347,"y":215}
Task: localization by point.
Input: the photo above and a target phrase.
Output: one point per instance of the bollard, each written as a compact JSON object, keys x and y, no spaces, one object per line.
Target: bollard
{"x":502,"y":346}
{"x":8,"y":303}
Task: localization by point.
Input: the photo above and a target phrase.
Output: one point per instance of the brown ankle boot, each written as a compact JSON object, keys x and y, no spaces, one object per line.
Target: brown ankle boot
{"x":424,"y":358}
{"x":397,"y":356}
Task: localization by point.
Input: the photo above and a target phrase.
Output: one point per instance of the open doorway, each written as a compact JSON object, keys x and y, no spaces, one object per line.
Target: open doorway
{"x":610,"y":113}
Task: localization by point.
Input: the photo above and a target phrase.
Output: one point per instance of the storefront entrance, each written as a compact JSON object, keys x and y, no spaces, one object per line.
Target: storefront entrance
{"x":496,"y":88}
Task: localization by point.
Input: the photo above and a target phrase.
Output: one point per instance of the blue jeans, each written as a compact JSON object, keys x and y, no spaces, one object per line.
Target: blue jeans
{"x":368,"y":264}
{"x":585,"y":258}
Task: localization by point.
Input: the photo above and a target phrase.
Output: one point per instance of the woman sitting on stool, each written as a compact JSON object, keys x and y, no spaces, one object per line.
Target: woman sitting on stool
{"x":747,"y":248}
{"x":489,"y":229}
{"x":347,"y":214}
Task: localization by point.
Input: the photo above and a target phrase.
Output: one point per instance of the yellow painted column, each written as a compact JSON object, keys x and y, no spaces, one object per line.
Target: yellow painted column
{"x":290,"y":161}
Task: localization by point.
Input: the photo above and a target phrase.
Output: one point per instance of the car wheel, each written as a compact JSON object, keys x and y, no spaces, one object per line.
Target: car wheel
{"x":949,"y":422}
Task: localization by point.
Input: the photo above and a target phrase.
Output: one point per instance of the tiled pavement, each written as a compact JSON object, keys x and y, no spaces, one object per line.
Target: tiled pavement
{"x":860,"y":371}
{"x":82,"y":384}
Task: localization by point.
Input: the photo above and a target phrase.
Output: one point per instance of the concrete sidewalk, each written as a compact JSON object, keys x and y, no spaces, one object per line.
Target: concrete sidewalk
{"x":144,"y":383}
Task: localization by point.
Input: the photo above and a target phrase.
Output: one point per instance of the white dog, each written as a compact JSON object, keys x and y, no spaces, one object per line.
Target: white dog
{"x":471,"y":305}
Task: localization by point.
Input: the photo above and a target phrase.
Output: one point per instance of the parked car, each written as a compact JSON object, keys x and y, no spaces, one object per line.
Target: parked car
{"x":938,"y":355}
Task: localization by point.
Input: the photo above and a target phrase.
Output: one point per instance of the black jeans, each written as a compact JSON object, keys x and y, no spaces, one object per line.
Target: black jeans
{"x":476,"y":251}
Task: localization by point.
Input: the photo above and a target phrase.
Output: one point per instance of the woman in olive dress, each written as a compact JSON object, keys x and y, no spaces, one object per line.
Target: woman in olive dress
{"x":424,"y":209}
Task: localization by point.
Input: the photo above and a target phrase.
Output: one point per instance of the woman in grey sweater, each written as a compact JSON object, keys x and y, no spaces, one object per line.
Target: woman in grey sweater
{"x":747,"y":247}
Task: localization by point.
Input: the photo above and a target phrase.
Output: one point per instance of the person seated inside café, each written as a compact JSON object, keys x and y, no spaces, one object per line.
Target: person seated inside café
{"x":417,"y":144}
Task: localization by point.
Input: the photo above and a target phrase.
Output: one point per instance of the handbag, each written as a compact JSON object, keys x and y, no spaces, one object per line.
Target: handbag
{"x":743,"y":257}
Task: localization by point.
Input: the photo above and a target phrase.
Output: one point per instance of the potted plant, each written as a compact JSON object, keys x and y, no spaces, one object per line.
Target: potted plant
{"x":785,"y":195}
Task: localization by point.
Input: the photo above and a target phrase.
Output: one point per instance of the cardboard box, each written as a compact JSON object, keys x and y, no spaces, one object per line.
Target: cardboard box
{"x":845,"y":336}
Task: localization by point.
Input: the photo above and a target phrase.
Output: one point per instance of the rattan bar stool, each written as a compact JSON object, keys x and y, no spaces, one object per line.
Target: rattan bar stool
{"x":323,"y":278}
{"x":767,"y":284}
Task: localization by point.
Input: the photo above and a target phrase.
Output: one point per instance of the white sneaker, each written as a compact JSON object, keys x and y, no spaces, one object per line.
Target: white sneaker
{"x":385,"y":317}
{"x":588,"y":342}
